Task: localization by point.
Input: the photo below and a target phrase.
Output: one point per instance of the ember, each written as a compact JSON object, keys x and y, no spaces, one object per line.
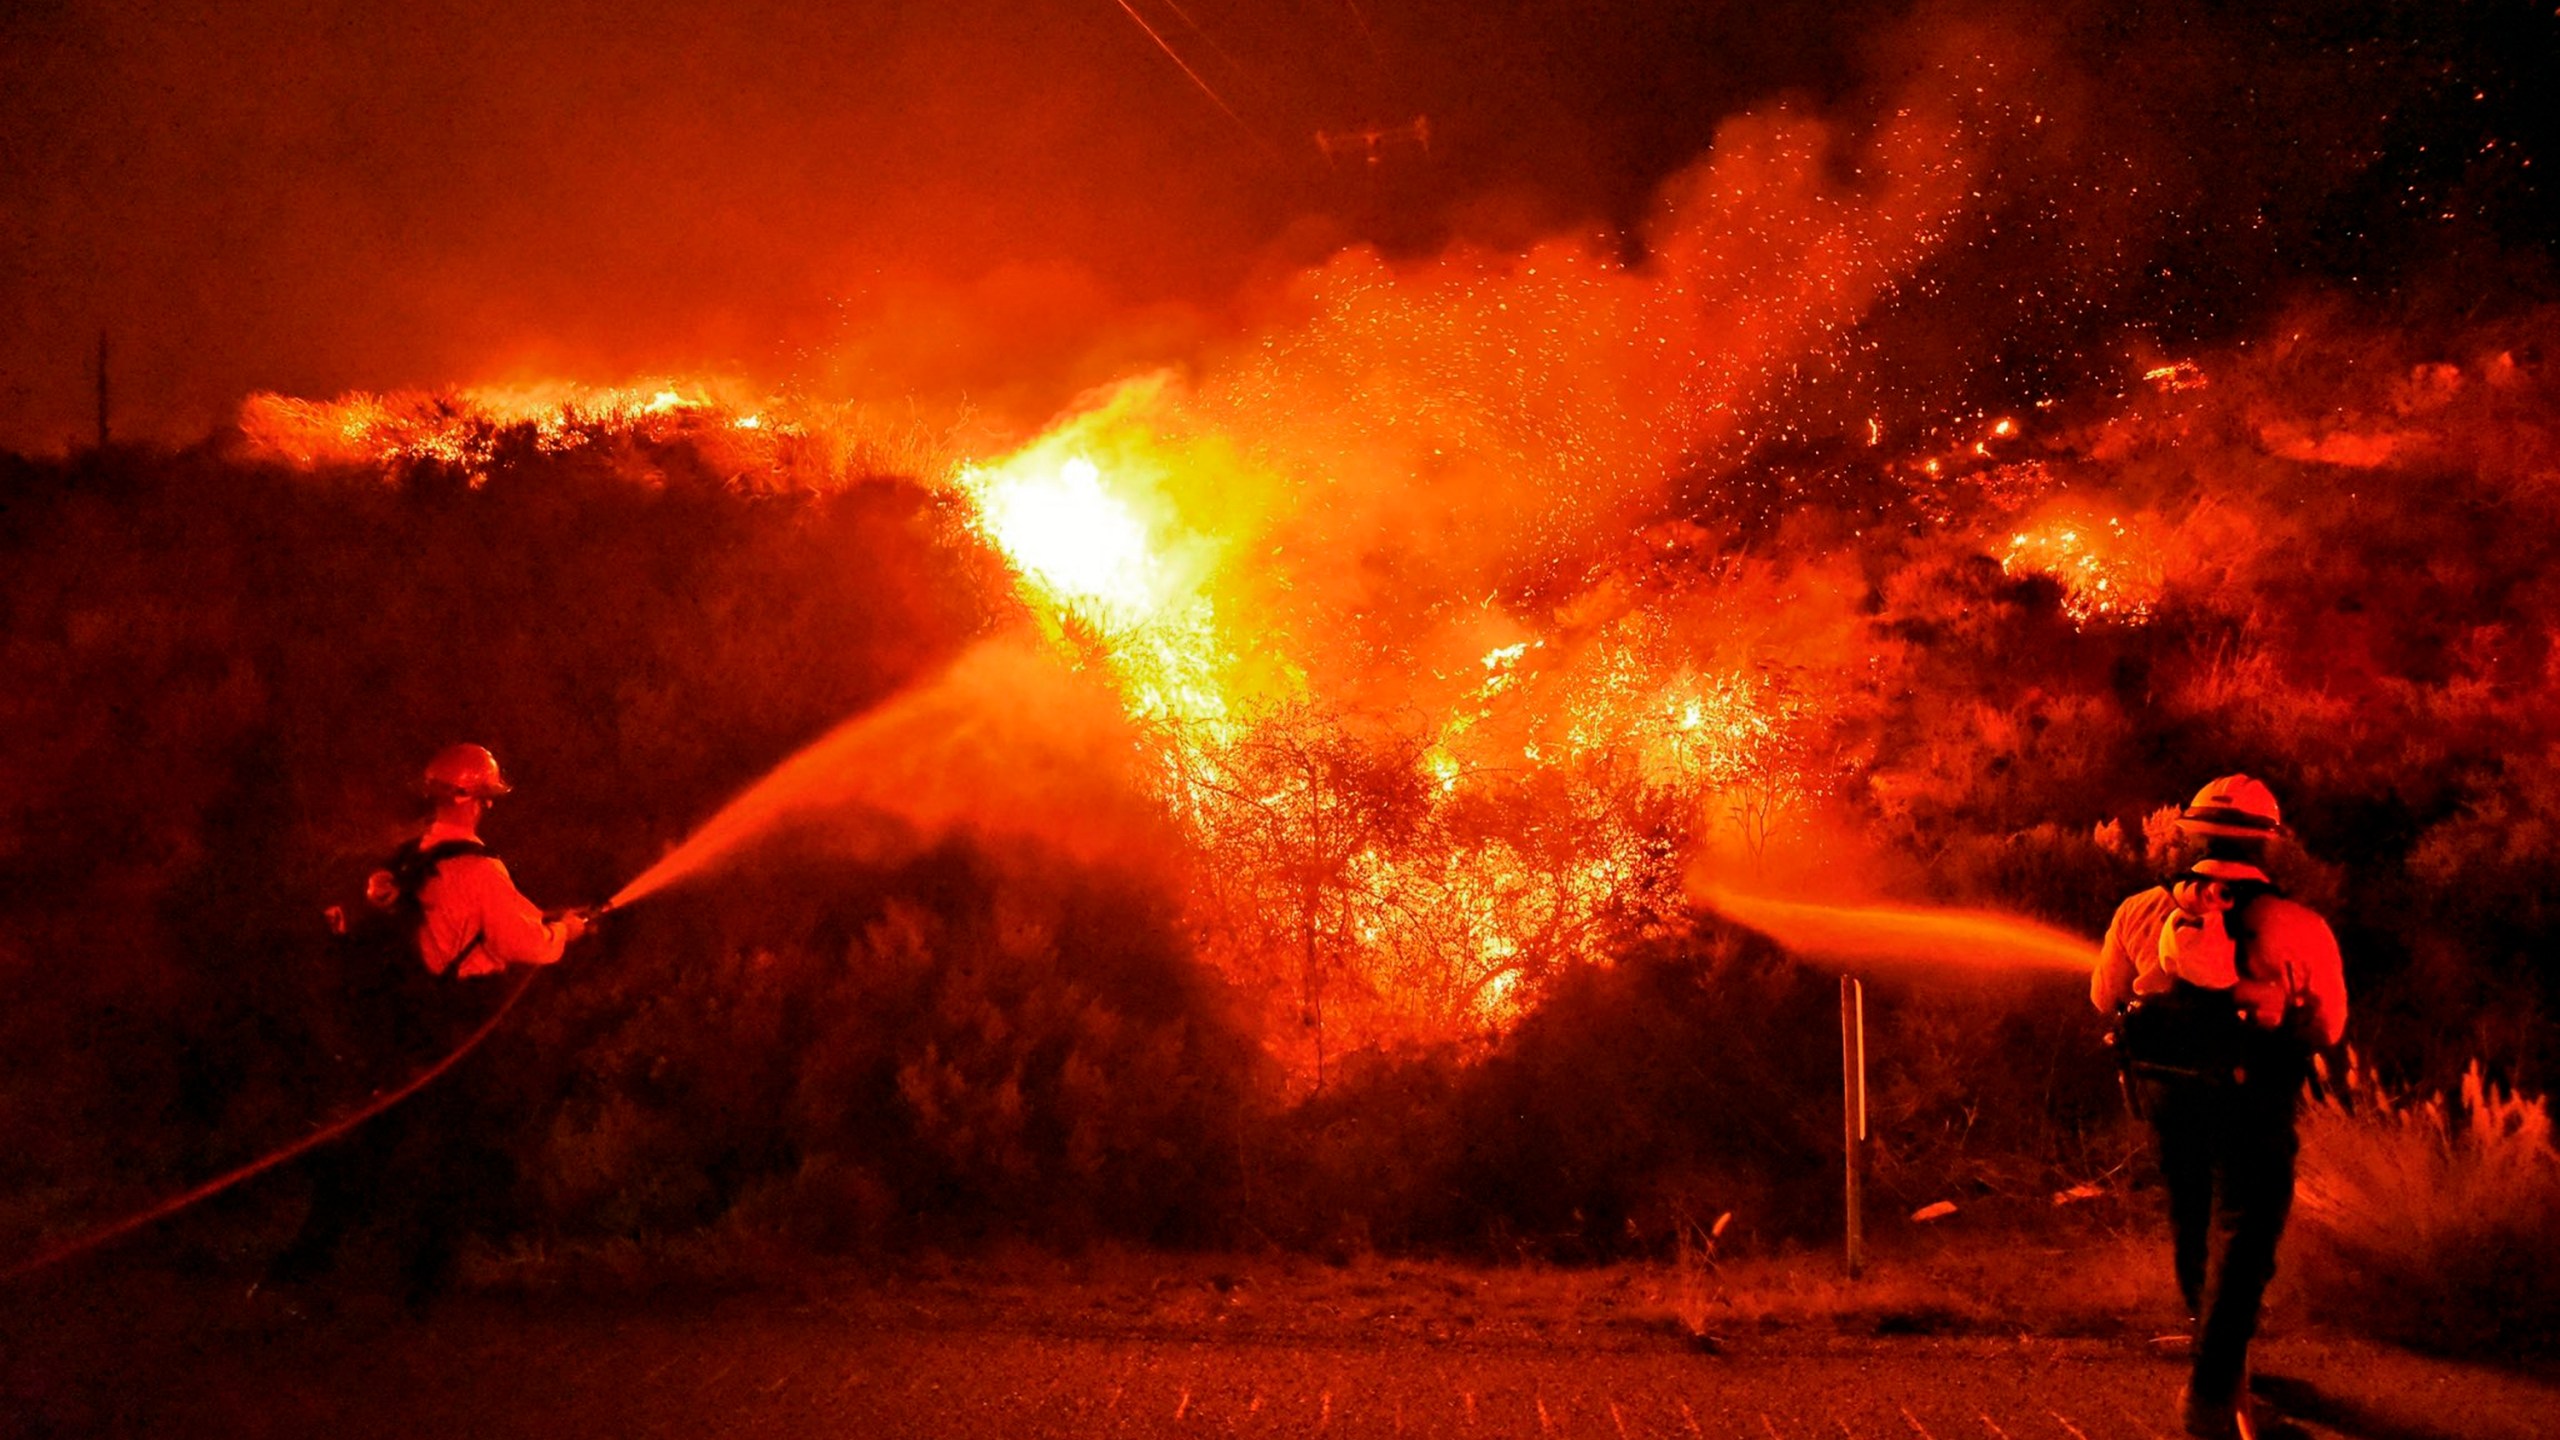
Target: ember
{"x":2107,"y":569}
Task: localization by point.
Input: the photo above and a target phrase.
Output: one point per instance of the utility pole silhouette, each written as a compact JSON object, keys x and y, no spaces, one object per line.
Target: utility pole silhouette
{"x":102,"y":389}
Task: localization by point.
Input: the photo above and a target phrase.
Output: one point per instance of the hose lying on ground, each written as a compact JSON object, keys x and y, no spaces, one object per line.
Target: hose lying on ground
{"x":83,"y":1244}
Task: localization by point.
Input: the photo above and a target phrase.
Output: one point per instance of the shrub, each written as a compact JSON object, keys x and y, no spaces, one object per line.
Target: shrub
{"x":971,"y":1044}
{"x":2434,"y":1222}
{"x":1694,"y":1078}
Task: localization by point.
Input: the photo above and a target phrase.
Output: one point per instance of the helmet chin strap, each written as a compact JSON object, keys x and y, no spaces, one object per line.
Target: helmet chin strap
{"x":2221,"y":868}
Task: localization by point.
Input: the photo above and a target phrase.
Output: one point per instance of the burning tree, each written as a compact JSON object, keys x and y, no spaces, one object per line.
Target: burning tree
{"x":1421,"y":873}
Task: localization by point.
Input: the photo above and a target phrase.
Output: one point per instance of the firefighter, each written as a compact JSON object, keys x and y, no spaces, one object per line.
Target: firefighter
{"x":474,"y":920}
{"x":2222,"y":990}
{"x":449,"y":919}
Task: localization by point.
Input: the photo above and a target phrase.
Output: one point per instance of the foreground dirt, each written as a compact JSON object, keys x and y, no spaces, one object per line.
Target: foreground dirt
{"x":1191,"y":1351}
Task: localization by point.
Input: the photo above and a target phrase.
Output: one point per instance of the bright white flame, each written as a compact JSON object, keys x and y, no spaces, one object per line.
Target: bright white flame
{"x":1443,"y":767}
{"x":1073,"y":537}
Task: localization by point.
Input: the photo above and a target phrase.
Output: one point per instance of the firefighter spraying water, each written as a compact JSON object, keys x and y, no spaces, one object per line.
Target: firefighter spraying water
{"x":445,"y":922}
{"x":443,"y":945}
{"x":451,"y":899}
{"x":418,"y":960}
{"x":2222,"y":989}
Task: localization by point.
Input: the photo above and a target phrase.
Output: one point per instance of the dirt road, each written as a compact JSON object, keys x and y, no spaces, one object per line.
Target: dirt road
{"x":935,"y":1360}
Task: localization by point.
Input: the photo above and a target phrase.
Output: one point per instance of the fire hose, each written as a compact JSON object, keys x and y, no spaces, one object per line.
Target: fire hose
{"x":82,"y":1244}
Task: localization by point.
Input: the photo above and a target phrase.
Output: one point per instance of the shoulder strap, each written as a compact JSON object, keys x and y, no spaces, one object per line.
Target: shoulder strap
{"x":468,"y":949}
{"x":2247,"y":889}
{"x":444,"y":850}
{"x":2244,"y":935}
{"x":414,"y":865}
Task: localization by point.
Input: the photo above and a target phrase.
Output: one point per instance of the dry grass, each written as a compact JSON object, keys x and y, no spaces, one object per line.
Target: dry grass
{"x":2434,"y":1221}
{"x":1693,"y":1284}
{"x":2067,"y":1280}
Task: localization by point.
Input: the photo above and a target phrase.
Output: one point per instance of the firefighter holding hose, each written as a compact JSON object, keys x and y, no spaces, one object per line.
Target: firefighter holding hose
{"x":441,"y":921}
{"x":2222,"y":990}
{"x":472,"y":920}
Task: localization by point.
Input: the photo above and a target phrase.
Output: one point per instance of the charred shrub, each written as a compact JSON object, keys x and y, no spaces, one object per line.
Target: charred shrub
{"x":1367,"y":1163}
{"x":1695,"y":1077}
{"x":1987,"y":1087}
{"x":2065,"y":874}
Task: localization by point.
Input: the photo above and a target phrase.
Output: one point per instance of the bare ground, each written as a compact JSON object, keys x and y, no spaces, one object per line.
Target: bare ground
{"x":1142,"y":1346}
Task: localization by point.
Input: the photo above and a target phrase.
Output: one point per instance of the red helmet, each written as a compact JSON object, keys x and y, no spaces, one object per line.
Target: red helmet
{"x":464,"y":770}
{"x":2233,"y":805}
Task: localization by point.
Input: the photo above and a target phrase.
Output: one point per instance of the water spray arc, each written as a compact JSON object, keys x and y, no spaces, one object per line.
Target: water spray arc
{"x":1961,"y":938}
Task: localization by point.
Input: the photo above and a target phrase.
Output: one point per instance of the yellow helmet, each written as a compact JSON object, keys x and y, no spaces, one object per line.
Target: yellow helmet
{"x":464,"y":770}
{"x":2233,"y":805}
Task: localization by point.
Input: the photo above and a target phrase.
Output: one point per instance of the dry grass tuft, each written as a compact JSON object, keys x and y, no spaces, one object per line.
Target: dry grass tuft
{"x":2432,"y":1221}
{"x":1693,"y":1286}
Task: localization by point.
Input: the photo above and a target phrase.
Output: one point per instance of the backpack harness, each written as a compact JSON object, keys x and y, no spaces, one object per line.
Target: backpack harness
{"x":395,"y":892}
{"x":2194,"y":1036}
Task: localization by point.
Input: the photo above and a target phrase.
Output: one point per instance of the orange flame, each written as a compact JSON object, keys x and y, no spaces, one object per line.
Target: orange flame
{"x":2108,"y":568}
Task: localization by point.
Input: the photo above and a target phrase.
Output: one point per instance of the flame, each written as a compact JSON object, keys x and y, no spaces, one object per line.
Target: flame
{"x":1425,"y":869}
{"x":1097,"y":518}
{"x":2176,"y":375}
{"x":465,"y":428}
{"x":2109,"y":569}
{"x":1070,"y":537}
{"x":1438,"y":722}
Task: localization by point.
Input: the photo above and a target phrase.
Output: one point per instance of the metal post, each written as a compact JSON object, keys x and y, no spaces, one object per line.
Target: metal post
{"x":1853,"y":1109}
{"x":102,"y":389}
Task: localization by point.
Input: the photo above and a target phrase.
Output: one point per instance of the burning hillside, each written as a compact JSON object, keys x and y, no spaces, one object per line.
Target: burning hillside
{"x":1476,"y":613}
{"x":1458,"y":843}
{"x":1437,"y":717}
{"x":1435,"y":741}
{"x":1392,"y":664}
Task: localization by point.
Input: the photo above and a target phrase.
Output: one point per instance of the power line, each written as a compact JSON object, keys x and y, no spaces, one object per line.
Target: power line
{"x":1360,"y":17}
{"x":1206,"y":38}
{"x":1214,"y":97}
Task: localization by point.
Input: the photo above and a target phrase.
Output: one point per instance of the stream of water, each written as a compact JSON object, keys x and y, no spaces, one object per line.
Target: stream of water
{"x":1005,"y":743}
{"x":1980,"y":938}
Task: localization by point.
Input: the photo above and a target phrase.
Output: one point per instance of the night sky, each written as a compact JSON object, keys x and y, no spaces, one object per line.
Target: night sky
{"x":311,"y":198}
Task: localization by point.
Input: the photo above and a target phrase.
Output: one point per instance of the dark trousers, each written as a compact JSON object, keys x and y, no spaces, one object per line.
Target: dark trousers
{"x":2227,"y":1153}
{"x":422,"y":1174}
